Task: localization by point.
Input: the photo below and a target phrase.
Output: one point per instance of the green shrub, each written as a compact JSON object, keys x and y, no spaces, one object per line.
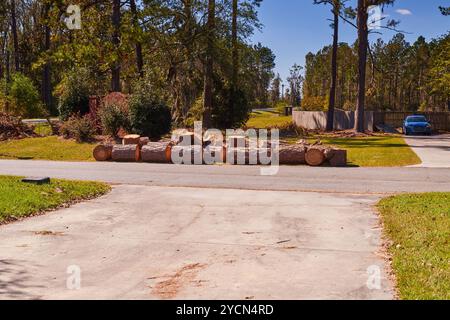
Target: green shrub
{"x":314,"y":104}
{"x":24,"y":97}
{"x":73,"y":93}
{"x":149,"y":116}
{"x":82,"y":129}
{"x":114,"y":116}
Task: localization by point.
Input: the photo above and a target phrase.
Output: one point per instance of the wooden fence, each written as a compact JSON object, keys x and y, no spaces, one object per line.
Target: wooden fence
{"x":439,"y":120}
{"x":343,"y":120}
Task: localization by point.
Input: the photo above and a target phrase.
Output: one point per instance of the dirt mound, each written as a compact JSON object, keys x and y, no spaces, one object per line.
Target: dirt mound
{"x":13,"y":128}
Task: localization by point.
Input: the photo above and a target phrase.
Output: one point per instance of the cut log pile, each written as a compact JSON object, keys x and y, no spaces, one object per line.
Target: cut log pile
{"x":13,"y":128}
{"x":136,"y":148}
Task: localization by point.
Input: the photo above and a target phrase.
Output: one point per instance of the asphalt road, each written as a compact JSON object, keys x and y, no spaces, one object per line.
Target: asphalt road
{"x":353,"y":180}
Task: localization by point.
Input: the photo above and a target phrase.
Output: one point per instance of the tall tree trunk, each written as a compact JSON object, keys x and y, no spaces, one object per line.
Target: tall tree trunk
{"x":234,"y":36}
{"x":363,"y":35}
{"x":235,"y":59}
{"x":14,"y":34}
{"x":138,"y":45}
{"x":8,"y":78}
{"x":209,"y":65}
{"x":332,"y":101}
{"x":115,"y":69}
{"x":7,"y":68}
{"x":46,"y":73}
{"x":3,"y":57}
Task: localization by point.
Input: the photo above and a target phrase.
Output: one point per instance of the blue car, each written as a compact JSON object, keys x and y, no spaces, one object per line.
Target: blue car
{"x":416,"y":125}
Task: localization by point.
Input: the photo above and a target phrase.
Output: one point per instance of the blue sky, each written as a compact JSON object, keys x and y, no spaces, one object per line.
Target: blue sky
{"x":292,"y":28}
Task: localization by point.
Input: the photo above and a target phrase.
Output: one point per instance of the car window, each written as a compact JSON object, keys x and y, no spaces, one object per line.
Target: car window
{"x":416,"y":119}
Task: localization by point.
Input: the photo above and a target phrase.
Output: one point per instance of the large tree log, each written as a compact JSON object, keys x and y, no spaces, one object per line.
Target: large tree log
{"x":126,"y":153}
{"x":157,"y":152}
{"x":316,"y":155}
{"x":292,"y":154}
{"x":339,"y":158}
{"x":131,"y":139}
{"x":102,"y":152}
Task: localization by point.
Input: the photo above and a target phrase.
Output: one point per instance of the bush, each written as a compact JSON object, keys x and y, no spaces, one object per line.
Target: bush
{"x":82,"y":129}
{"x":73,"y":92}
{"x":113,"y":117}
{"x":149,"y":116}
{"x":24,"y":97}
{"x":314,"y":103}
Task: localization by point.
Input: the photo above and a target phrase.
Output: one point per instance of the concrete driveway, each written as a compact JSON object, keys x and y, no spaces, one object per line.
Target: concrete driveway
{"x":433,"y":150}
{"x":188,"y":243}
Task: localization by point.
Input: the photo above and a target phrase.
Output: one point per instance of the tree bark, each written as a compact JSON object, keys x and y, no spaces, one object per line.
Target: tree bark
{"x":126,"y":153}
{"x":102,"y":152}
{"x":234,"y":36}
{"x":209,"y":64}
{"x":138,"y":45}
{"x":363,"y":35}
{"x":157,"y":152}
{"x":131,"y":139}
{"x":8,"y":78}
{"x":235,"y":59}
{"x":46,"y":72}
{"x":115,"y":69}
{"x":332,"y":101}
{"x":14,"y":34}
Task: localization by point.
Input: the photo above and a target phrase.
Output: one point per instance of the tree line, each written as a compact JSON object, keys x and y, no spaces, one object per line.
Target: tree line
{"x":193,"y":54}
{"x":400,"y":76}
{"x":392,"y":76}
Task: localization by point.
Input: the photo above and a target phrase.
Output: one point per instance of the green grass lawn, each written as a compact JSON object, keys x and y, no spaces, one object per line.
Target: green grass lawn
{"x":419,"y":227}
{"x":267,"y":119}
{"x":18,"y":199}
{"x":378,"y":151}
{"x":47,"y":148}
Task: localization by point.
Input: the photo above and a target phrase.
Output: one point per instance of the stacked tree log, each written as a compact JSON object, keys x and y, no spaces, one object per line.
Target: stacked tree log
{"x":135,"y":148}
{"x":312,"y":155}
{"x":131,"y":139}
{"x":126,"y":153}
{"x":103,"y":152}
{"x":157,"y":152}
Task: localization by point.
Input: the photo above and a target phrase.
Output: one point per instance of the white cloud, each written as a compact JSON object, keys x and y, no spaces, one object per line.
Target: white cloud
{"x":404,"y":12}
